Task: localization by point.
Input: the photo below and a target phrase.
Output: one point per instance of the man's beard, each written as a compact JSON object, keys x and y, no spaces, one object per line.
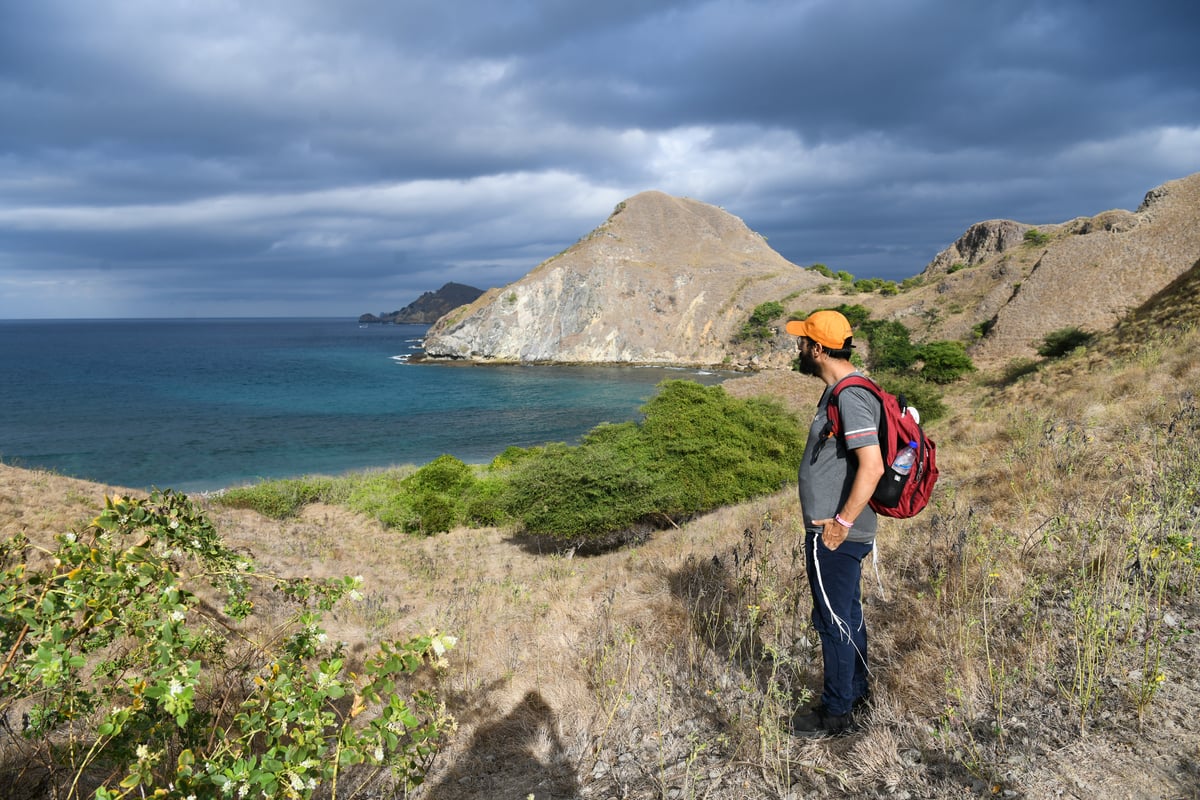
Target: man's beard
{"x":805,"y":364}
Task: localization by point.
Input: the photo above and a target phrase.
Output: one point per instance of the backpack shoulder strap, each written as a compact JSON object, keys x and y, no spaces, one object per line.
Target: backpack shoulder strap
{"x":833,"y":426}
{"x":833,"y":419}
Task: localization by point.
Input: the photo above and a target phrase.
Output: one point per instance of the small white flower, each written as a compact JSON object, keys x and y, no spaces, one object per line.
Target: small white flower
{"x":70,"y":537}
{"x":175,"y":688}
{"x":379,"y":754}
{"x":177,"y":616}
{"x":143,"y":752}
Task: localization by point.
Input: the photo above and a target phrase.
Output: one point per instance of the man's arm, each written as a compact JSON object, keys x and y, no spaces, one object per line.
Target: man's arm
{"x":870,"y":470}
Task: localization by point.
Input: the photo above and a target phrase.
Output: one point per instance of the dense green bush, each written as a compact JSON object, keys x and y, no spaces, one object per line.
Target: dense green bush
{"x":711,"y":449}
{"x":279,"y":499}
{"x":945,"y":361}
{"x":758,"y":327}
{"x":891,"y":348}
{"x":855,"y":313}
{"x":483,"y":502}
{"x":381,"y":495}
{"x":577,"y":495}
{"x":1063,"y":341}
{"x":437,"y":492}
{"x":1035,"y":238}
{"x":695,"y":449}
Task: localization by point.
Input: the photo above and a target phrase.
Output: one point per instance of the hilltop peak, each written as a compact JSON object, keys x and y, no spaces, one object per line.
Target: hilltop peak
{"x":663,"y":280}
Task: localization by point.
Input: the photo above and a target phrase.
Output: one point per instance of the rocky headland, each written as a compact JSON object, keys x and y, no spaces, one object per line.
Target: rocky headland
{"x":429,"y":307}
{"x":669,"y":280}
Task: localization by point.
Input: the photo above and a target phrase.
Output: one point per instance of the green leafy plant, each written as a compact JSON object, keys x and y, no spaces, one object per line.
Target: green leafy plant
{"x":1060,"y":342}
{"x":279,"y":499}
{"x":758,"y":327}
{"x":1035,"y":238}
{"x":695,"y":449}
{"x":891,"y":348}
{"x":114,"y":645}
{"x":945,"y":361}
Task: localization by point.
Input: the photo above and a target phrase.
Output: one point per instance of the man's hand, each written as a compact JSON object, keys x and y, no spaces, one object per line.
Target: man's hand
{"x":833,"y":533}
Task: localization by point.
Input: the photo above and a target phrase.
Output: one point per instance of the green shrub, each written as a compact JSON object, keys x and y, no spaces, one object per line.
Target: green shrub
{"x":577,"y":495}
{"x":483,"y":504}
{"x":1063,"y":341}
{"x":856,"y":314}
{"x":130,"y":691}
{"x":695,"y":449}
{"x":436,"y":492}
{"x":1017,"y":368}
{"x":1036,"y":238}
{"x":891,"y":348}
{"x":945,"y":361}
{"x":981,"y":329}
{"x":711,"y":449}
{"x":759,"y":325}
{"x":821,"y":269}
{"x":382,"y":496}
{"x":278,"y":499}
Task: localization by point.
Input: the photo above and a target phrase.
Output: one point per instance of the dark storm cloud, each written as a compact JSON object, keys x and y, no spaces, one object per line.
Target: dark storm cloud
{"x":311,"y":157}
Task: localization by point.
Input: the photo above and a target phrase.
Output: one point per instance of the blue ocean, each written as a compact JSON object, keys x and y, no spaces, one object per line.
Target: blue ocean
{"x":200,"y":404}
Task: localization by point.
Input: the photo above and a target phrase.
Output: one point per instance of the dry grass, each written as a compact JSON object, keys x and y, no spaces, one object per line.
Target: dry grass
{"x":666,"y":670}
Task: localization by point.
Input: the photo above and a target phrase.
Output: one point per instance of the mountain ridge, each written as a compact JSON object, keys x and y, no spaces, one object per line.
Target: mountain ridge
{"x":667,"y":280}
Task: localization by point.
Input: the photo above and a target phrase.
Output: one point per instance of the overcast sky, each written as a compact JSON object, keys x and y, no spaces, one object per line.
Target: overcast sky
{"x":335,"y":157}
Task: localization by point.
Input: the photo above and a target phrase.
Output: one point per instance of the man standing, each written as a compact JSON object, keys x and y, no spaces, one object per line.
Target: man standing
{"x":837,"y":478}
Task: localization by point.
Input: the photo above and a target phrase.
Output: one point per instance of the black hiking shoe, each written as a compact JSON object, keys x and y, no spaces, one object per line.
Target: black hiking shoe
{"x":819,"y":723}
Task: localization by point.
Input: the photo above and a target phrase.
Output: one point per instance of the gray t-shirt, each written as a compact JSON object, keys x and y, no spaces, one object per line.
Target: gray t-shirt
{"x":826,"y":471}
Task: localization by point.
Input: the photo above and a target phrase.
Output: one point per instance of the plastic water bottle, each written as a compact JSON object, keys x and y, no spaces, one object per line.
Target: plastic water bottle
{"x":905,"y":459}
{"x":891,"y":485}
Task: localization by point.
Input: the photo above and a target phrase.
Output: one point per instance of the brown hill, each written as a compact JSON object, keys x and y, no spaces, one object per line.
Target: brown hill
{"x":663,"y":280}
{"x":1021,"y":282}
{"x":671,"y":280}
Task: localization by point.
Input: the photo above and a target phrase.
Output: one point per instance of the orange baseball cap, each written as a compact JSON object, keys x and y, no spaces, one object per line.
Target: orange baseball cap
{"x":827,"y":328}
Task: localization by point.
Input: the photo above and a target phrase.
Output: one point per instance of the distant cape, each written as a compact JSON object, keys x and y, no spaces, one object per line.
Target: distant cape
{"x":430,"y":306}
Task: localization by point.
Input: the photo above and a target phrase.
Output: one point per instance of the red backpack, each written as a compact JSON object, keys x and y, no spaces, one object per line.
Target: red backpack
{"x":897,"y":429}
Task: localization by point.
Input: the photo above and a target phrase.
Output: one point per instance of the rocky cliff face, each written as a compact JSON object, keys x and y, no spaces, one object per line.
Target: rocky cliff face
{"x":664,"y":280}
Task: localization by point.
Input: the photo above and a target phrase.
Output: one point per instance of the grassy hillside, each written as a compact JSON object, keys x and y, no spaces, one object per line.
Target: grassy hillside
{"x":1031,"y":634}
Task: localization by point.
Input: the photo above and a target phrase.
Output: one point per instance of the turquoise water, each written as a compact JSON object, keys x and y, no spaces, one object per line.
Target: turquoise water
{"x":197,"y":405}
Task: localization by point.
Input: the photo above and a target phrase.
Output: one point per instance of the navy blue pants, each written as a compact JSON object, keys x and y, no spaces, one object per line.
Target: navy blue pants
{"x":835,"y":577}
